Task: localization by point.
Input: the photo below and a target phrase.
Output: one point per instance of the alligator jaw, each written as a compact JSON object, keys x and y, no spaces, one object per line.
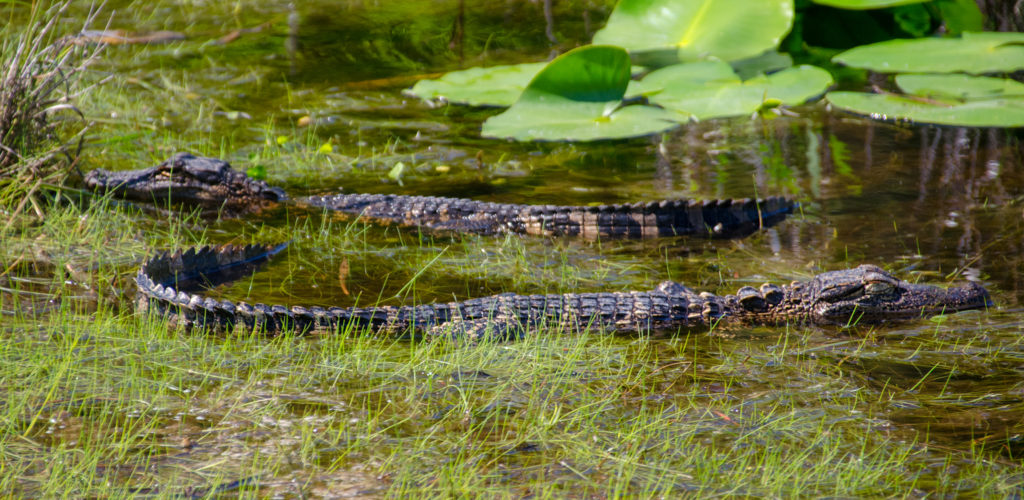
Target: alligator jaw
{"x":949,"y":300}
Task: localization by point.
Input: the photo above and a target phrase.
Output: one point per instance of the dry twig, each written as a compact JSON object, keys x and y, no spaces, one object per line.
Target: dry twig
{"x":37,"y":81}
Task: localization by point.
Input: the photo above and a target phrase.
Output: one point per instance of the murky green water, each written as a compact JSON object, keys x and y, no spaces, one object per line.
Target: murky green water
{"x":932,"y":204}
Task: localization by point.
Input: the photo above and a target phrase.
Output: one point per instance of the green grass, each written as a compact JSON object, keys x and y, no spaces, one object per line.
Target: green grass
{"x":99,"y":402}
{"x":96,"y":401}
{"x":541,"y":420}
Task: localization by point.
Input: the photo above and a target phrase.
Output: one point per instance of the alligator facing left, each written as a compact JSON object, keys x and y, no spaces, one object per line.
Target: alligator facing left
{"x":212,"y":183}
{"x":863,"y":295}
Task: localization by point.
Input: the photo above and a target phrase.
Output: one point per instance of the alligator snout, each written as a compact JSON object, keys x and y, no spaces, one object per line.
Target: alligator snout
{"x":902,"y":302}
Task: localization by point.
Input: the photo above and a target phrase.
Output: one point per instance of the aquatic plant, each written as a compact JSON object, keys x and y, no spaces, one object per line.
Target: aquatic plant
{"x":701,"y":60}
{"x":37,"y":80}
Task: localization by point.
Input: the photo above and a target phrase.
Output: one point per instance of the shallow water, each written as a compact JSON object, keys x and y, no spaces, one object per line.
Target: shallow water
{"x":928,"y":202}
{"x":932,"y":204}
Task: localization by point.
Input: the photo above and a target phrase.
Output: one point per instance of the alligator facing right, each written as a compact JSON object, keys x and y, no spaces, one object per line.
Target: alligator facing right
{"x":862,"y":295}
{"x":213,"y":183}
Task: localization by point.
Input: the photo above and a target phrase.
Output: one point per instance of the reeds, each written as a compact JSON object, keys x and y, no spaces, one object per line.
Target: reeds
{"x":38,"y":75}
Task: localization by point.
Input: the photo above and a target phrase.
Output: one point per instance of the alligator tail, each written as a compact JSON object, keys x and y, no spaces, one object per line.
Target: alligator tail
{"x":713,"y":218}
{"x":168,"y":281}
{"x":726,"y":218}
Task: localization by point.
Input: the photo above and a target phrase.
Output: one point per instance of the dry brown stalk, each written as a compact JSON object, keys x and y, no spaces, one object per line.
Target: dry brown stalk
{"x":37,"y":82}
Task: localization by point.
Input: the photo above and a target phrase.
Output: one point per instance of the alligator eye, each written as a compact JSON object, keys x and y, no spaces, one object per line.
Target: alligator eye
{"x":878,"y":288}
{"x":853,"y":293}
{"x":845,"y":292}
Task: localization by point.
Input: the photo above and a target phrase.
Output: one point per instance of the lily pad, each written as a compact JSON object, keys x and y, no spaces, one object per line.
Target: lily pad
{"x":682,"y":78}
{"x":960,"y":87}
{"x":578,"y":96}
{"x":974,"y":53}
{"x":698,"y":28}
{"x":986,"y":113}
{"x":768,"y":62}
{"x":710,"y":89}
{"x":961,"y":15}
{"x":974,"y":101}
{"x":865,"y":4}
{"x":493,"y":86}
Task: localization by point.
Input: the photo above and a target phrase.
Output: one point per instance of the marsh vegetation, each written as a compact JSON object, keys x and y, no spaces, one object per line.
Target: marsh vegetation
{"x":97,"y":401}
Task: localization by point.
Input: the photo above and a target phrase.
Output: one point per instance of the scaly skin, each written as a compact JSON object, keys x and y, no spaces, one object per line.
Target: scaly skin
{"x":206,"y":182}
{"x":213,"y":183}
{"x":863,"y":295}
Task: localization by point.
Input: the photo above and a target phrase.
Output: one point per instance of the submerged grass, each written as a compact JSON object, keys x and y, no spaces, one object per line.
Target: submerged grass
{"x":99,"y":402}
{"x":553,"y":415}
{"x":96,"y":401}
{"x":104,"y":404}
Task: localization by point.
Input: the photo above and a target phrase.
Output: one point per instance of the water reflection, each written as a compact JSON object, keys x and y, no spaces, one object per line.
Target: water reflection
{"x":942,"y":199}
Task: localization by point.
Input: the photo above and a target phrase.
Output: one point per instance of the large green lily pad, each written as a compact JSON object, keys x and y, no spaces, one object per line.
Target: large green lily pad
{"x":866,"y":4}
{"x":698,"y":28}
{"x":493,"y":86}
{"x":960,"y":87}
{"x":710,"y":89}
{"x":578,"y":97}
{"x":682,"y":78}
{"x":571,"y":125}
{"x":977,"y":113}
{"x":971,"y":53}
{"x":973,"y":101}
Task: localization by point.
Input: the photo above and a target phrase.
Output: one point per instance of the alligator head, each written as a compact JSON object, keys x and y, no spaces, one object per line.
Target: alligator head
{"x":186,"y":178}
{"x":869,"y":295}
